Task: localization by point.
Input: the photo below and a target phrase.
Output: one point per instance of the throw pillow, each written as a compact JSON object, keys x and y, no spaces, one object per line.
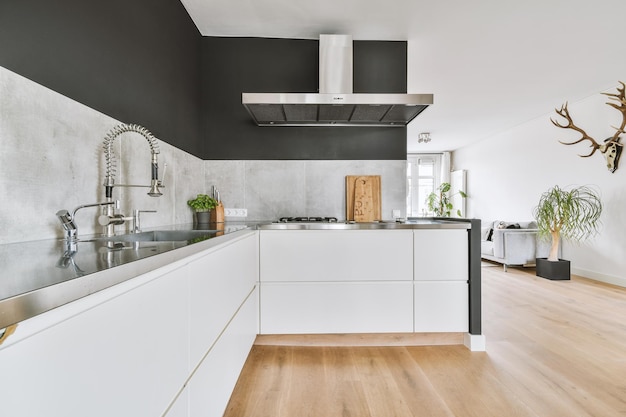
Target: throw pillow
{"x":490,"y":235}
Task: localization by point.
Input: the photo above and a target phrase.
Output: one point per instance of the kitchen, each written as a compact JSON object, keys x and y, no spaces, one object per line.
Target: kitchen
{"x":55,"y":117}
{"x":45,"y":165}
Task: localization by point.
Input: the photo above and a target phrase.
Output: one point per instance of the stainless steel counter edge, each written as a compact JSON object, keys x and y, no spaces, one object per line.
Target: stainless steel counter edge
{"x":24,"y":306}
{"x":425,"y":224}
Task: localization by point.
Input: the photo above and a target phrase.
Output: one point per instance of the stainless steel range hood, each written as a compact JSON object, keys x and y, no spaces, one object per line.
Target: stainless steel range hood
{"x":335,"y":104}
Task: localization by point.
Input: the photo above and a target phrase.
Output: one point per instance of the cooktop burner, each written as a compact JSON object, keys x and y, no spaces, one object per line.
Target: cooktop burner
{"x":307,"y":219}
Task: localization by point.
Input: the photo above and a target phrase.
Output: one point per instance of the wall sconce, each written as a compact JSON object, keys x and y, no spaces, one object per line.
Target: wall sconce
{"x":423,"y":137}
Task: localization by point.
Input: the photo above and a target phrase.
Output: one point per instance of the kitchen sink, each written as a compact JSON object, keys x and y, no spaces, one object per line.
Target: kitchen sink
{"x":160,"y":236}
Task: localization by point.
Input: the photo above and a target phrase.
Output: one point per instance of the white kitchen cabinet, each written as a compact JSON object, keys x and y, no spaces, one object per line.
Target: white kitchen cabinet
{"x":214,"y":380}
{"x":441,"y":254}
{"x":124,"y":357}
{"x":336,"y":307}
{"x":336,"y":281}
{"x":180,"y":407}
{"x":219,"y":282}
{"x":129,"y":350}
{"x":336,"y":255}
{"x":441,"y":273}
{"x":441,"y":306}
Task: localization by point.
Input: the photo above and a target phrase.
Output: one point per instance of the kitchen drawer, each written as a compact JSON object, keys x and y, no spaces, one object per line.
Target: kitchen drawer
{"x":336,"y":255}
{"x":338,"y":307}
{"x":441,"y":255}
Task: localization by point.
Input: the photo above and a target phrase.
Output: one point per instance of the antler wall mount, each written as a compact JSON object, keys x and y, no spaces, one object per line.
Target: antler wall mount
{"x":611,"y":148}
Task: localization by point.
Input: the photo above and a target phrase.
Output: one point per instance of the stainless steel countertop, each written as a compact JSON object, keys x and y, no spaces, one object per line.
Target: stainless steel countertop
{"x":38,"y":276}
{"x":425,"y":223}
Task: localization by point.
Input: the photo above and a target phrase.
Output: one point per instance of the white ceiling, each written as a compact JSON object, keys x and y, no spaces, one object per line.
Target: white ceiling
{"x":491,"y":64}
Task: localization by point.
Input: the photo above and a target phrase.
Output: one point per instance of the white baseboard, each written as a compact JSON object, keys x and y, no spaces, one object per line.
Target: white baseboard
{"x":609,"y":279}
{"x":475,"y":342}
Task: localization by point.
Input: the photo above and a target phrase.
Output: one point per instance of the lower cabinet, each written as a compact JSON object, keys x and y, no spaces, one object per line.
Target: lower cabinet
{"x":169,"y":343}
{"x":336,"y":281}
{"x":336,"y":307}
{"x":124,"y":357}
{"x":180,"y":408}
{"x":364,"y":281}
{"x":173,"y":342}
{"x":441,"y":306}
{"x":214,"y":380}
{"x":441,"y":273}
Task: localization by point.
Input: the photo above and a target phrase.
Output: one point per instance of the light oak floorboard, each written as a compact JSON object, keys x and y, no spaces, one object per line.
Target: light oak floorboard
{"x":554,"y":349}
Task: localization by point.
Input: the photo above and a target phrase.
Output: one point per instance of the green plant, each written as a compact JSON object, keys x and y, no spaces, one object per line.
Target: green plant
{"x":202,"y":202}
{"x":573,"y":214}
{"x":439,"y":201}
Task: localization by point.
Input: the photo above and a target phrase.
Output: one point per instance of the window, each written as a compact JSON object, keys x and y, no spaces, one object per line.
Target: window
{"x":423,"y":176}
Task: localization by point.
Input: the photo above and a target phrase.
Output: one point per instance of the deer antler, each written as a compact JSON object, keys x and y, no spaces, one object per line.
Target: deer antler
{"x":620,"y":97}
{"x":563,"y":112}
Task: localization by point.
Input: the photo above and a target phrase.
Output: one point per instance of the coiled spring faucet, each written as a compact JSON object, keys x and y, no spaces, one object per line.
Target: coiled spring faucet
{"x":109,"y":181}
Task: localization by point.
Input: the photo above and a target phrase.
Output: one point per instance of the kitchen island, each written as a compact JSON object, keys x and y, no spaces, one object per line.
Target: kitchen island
{"x":171,"y":337}
{"x":418,"y":276}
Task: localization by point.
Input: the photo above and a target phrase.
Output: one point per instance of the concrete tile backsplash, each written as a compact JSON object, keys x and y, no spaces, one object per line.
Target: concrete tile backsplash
{"x":271,"y":189}
{"x":51,"y":158}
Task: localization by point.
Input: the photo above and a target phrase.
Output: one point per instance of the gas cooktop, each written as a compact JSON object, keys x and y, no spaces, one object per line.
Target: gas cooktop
{"x":307,"y":220}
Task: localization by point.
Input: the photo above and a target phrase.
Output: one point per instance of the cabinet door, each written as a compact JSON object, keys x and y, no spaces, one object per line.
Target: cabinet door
{"x":441,"y":306}
{"x":338,"y":307}
{"x":336,"y":255}
{"x":125,"y":357}
{"x":219,"y":283}
{"x":213,"y":382}
{"x":441,"y":254}
{"x":180,"y":408}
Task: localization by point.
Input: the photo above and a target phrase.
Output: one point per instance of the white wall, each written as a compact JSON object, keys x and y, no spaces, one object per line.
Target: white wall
{"x":508,"y":172}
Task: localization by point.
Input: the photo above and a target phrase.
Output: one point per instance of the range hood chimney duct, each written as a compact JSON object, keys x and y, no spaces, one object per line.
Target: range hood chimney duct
{"x":335,"y":104}
{"x":336,"y":69}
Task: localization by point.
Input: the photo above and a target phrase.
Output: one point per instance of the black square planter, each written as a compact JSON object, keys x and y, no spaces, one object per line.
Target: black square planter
{"x":559,"y":270}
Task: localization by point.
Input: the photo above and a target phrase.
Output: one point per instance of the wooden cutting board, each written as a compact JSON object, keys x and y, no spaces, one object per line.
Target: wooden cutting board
{"x":363,"y":198}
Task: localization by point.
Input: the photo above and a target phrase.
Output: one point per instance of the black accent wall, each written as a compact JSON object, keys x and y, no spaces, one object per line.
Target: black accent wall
{"x":137,"y":61}
{"x":258,"y":65}
{"x":144,"y":62}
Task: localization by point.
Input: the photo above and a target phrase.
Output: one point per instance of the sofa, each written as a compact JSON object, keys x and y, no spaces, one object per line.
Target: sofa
{"x":512,"y":243}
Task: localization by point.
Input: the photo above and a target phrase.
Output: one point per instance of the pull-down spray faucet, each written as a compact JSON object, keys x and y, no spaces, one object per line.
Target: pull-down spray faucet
{"x":109,"y":181}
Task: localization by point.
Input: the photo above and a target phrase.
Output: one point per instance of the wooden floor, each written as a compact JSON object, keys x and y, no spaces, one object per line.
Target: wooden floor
{"x":554,"y":349}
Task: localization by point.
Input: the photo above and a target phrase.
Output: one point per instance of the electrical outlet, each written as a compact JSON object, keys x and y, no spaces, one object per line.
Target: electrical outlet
{"x":235,"y":212}
{"x":395,"y":213}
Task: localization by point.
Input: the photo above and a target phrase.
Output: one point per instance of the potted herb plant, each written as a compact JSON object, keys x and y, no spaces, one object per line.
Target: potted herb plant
{"x":202,"y":206}
{"x":572,"y":214}
{"x":439,"y":201}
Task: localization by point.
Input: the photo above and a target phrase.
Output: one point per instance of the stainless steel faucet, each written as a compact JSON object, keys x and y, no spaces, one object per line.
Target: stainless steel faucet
{"x":137,"y":219}
{"x":109,"y":218}
{"x":67,"y":219}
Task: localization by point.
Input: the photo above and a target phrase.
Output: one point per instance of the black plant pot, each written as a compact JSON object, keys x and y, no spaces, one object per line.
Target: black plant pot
{"x":559,"y":270}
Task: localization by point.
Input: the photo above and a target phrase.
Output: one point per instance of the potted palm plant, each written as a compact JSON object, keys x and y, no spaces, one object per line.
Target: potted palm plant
{"x":572,"y":214}
{"x":202,"y":206}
